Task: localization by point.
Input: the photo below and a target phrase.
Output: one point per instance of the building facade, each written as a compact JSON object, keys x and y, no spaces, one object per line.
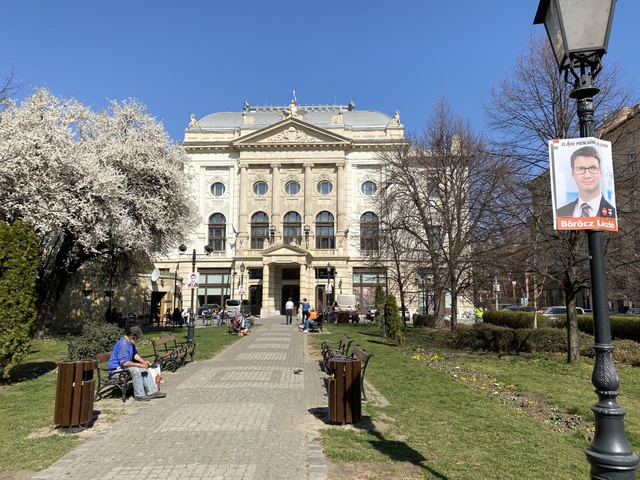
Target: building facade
{"x":287,"y":197}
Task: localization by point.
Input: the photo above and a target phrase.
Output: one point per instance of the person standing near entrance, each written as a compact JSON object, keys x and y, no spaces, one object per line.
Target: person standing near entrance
{"x":288,"y":307}
{"x":305,"y":309}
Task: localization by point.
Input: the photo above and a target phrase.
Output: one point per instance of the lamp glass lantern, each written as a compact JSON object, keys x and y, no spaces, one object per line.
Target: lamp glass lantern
{"x":577,"y":29}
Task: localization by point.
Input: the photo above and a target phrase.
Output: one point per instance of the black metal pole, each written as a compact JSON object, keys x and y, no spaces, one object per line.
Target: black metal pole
{"x":610,"y":454}
{"x":192,"y":319}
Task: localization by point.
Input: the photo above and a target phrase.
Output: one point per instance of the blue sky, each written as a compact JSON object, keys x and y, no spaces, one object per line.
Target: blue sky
{"x":204,"y":56}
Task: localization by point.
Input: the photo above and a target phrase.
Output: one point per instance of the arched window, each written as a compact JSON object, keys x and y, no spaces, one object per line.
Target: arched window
{"x":369,"y":230}
{"x":325,"y":236}
{"x":259,"y":230}
{"x":292,"y":228}
{"x":217,"y":232}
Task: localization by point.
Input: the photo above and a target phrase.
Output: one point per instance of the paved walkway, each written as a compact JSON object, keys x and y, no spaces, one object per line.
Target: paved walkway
{"x":243,"y":415}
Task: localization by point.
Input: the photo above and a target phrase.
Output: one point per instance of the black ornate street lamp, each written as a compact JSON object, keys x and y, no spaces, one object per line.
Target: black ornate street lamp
{"x":307,"y":230}
{"x":242,"y":267}
{"x":329,"y":275}
{"x":272,"y":233}
{"x":579,"y":35}
{"x":192,"y":318}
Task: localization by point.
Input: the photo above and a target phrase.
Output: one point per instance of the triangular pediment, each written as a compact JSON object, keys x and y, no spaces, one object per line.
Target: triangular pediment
{"x":284,"y":249}
{"x":292,"y":131}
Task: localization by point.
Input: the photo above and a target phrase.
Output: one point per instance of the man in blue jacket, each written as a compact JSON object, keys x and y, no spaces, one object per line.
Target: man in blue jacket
{"x":125,"y":354}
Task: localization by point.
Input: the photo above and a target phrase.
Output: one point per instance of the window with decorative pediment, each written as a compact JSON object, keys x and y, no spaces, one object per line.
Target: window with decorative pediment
{"x":217,"y":232}
{"x":325,"y":235}
{"x":292,"y":228}
{"x":259,"y":230}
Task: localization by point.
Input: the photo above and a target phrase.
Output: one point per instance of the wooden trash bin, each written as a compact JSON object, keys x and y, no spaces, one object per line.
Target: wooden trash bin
{"x":75,"y":391}
{"x":344,"y":390}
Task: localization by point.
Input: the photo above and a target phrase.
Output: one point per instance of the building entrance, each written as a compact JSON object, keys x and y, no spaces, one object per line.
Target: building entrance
{"x":292,"y":291}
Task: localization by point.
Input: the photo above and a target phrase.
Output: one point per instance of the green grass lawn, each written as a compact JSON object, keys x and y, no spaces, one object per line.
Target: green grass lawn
{"x":27,"y":405}
{"x":438,"y":425}
{"x":442,"y":427}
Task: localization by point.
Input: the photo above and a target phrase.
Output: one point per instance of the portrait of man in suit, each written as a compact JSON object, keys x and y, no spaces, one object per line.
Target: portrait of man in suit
{"x":586,"y":171}
{"x":193,"y":280}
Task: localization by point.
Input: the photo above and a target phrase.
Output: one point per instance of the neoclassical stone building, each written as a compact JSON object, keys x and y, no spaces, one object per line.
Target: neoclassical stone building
{"x":287,"y":196}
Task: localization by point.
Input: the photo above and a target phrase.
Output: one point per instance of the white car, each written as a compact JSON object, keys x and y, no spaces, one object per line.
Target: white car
{"x":553,"y":312}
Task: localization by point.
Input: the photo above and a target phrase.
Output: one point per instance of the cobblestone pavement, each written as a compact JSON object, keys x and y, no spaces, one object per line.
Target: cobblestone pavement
{"x":243,"y":415}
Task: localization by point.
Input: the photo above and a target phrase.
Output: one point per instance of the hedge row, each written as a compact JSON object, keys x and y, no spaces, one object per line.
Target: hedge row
{"x":507,"y":318}
{"x":506,"y":340}
{"x":626,"y":328}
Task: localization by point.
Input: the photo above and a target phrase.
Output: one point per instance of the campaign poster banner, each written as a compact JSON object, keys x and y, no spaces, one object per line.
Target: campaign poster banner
{"x":194,"y":280}
{"x":582,"y":186}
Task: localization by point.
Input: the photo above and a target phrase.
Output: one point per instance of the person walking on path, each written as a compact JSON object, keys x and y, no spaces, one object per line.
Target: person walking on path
{"x":289,"y":309}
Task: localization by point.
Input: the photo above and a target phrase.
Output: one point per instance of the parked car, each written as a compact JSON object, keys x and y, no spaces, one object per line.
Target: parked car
{"x":562,"y":311}
{"x":513,"y":308}
{"x":233,"y":305}
{"x":504,"y":306}
{"x":553,"y":312}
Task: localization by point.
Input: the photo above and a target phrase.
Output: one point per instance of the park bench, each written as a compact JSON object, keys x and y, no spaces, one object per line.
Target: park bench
{"x":331,"y":350}
{"x":120,"y":379}
{"x":168,"y":352}
{"x":364,"y":358}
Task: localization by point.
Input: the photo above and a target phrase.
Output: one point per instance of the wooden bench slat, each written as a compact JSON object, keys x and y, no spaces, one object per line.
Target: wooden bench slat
{"x":364,"y":358}
{"x":106,"y":382}
{"x":168,"y":351}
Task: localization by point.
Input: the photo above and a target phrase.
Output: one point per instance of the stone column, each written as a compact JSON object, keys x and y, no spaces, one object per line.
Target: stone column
{"x":267,"y":292}
{"x":243,"y":201}
{"x":308,"y":199}
{"x":341,"y":196}
{"x":276,"y":193}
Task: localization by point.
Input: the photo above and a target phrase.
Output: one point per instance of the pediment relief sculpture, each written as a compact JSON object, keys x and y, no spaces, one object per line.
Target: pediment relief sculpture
{"x":292,"y":135}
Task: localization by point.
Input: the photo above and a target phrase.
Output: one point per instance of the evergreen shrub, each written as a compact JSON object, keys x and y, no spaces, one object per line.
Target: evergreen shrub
{"x":508,"y":318}
{"x":19,"y":256}
{"x":424,"y":320}
{"x":96,"y":337}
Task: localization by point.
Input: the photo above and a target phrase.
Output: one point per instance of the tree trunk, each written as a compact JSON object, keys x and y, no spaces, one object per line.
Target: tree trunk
{"x":573,"y":338}
{"x":454,"y":306}
{"x":52,"y":284}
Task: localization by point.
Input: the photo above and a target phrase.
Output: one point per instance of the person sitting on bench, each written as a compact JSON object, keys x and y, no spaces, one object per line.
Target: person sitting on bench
{"x":125,"y":354}
{"x":309,"y":323}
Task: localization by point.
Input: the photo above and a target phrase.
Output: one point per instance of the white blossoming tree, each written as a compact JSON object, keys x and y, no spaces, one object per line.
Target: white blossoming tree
{"x":89,"y":183}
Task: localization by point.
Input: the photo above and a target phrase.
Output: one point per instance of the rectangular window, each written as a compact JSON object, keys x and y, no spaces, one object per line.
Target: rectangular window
{"x":632,"y":162}
{"x":364,"y":287}
{"x":255,"y":273}
{"x":291,"y":274}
